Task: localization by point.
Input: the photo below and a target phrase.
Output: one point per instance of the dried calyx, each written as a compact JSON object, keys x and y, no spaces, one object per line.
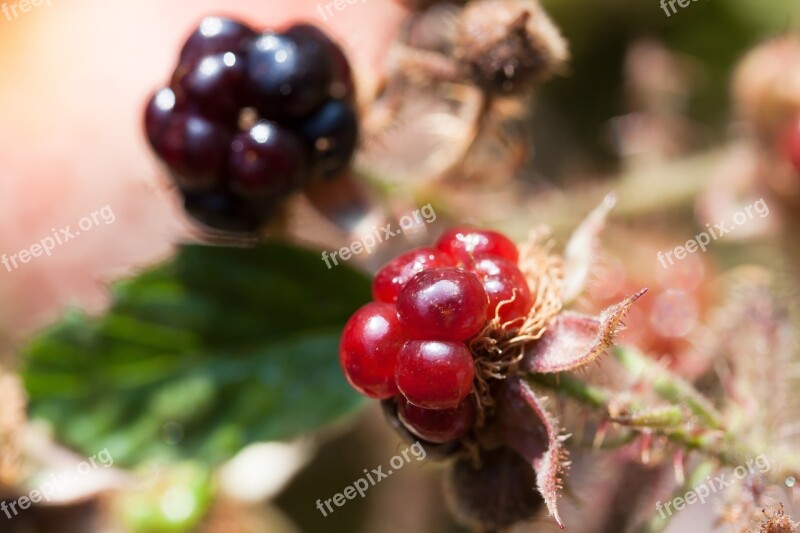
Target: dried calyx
{"x":500,"y":347}
{"x":494,"y":495}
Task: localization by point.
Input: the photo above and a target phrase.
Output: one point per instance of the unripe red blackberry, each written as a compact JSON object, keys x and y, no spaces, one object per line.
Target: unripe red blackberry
{"x":437,"y":425}
{"x":412,"y":347}
{"x":443,"y":304}
{"x":466,"y":245}
{"x":368,"y":350}
{"x":391,"y":279}
{"x":434,"y":374}
{"x":433,"y":451}
{"x":506,"y":287}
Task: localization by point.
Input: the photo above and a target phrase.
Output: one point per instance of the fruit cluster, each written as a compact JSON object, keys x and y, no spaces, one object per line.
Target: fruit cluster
{"x":411,"y":342}
{"x":249,"y":118}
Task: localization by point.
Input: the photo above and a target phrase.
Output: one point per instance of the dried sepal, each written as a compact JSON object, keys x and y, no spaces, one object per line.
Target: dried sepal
{"x":499,"y":348}
{"x":573,"y":340}
{"x":581,"y":250}
{"x":526,"y":427}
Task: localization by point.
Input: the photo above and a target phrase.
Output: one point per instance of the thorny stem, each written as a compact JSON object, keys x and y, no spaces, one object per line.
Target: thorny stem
{"x":668,"y":385}
{"x":705,"y":433}
{"x":708,"y":439}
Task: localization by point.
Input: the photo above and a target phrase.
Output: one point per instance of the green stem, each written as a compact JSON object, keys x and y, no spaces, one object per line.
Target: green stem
{"x":710,"y":441}
{"x":574,"y":388}
{"x":668,"y":385}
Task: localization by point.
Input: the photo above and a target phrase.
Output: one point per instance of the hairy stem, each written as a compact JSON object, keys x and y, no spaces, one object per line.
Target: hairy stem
{"x":668,"y":385}
{"x":711,"y":441}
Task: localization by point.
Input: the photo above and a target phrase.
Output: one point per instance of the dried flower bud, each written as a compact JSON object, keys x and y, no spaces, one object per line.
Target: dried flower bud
{"x":507,"y":44}
{"x":766,"y":86}
{"x":497,"y":494}
{"x":776,"y":521}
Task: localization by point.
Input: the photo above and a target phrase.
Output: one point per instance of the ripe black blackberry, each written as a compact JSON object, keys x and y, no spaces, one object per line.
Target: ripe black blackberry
{"x":422,"y":5}
{"x":249,"y":119}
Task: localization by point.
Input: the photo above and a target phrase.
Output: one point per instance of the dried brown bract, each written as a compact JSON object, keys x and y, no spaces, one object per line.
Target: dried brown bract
{"x":494,"y":495}
{"x":505,"y":45}
{"x":457,"y":91}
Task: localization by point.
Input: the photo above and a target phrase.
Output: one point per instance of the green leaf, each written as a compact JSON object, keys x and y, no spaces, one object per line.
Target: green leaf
{"x":200,"y":356}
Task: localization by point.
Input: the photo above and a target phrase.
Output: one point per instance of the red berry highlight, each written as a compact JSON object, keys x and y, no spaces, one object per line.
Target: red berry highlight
{"x":437,"y":425}
{"x":368,"y":351}
{"x":434,"y":374}
{"x":391,"y":279}
{"x":502,"y":280}
{"x":466,"y":245}
{"x":443,"y":303}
